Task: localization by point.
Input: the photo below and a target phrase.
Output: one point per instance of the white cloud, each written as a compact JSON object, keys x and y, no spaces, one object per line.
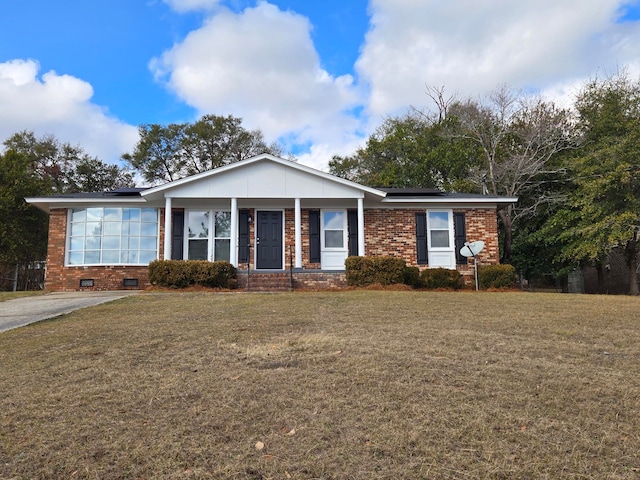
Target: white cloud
{"x":59,"y":105}
{"x":471,"y":47}
{"x":261,"y":65}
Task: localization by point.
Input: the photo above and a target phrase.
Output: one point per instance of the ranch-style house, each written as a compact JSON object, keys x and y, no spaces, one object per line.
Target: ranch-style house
{"x":269,"y":217}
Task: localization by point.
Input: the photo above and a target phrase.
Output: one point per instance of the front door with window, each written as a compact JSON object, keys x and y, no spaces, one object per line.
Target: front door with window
{"x":269,"y":240}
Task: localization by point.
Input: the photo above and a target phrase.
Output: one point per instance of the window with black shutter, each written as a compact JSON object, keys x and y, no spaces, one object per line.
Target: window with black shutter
{"x":314,"y":236}
{"x":177,"y":235}
{"x":243,"y":236}
{"x":352,"y":227}
{"x":460,"y":232}
{"x":421,"y":238}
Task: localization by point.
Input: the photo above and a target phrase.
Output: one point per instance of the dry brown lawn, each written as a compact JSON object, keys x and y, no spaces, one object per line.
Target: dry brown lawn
{"x":340,"y":385}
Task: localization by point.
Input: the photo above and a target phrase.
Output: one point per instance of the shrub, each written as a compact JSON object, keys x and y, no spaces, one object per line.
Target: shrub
{"x":362,"y":271}
{"x":412,"y":277}
{"x":496,"y":276}
{"x":441,"y":278}
{"x":184,"y":273}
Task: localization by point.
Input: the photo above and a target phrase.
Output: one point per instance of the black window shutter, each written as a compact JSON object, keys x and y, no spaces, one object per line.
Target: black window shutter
{"x":177,"y":235}
{"x":314,"y":236}
{"x":460,"y":232}
{"x":352,"y":226}
{"x":421,"y":238}
{"x":243,"y":236}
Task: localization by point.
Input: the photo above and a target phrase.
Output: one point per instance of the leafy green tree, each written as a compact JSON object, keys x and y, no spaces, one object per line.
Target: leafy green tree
{"x":171,"y":152}
{"x":65,"y":168}
{"x":603,"y":212}
{"x":23,"y":228}
{"x":31,"y":166}
{"x":409,"y":151}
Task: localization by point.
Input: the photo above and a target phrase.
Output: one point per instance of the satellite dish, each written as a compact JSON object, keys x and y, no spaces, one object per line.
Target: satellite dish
{"x":471,"y":249}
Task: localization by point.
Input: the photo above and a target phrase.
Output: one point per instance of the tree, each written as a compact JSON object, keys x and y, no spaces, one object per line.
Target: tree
{"x":409,"y":151}
{"x":603,"y":212}
{"x":32,"y":166}
{"x":23,"y":228}
{"x":518,"y":138}
{"x":171,"y":152}
{"x":65,"y":168}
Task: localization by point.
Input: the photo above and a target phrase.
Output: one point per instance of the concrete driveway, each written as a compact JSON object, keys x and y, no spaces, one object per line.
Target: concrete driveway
{"x":23,"y":311}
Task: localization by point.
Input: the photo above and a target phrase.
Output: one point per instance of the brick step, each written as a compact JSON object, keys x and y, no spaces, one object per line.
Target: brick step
{"x":265,"y":282}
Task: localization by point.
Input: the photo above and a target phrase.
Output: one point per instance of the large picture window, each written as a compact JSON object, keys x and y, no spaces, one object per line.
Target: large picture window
{"x":208,"y":235}
{"x":112,"y":236}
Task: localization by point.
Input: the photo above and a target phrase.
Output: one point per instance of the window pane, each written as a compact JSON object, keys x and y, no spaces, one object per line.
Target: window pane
{"x":76,"y":243}
{"x":75,"y":258}
{"x":111,"y":243}
{"x":92,"y":243}
{"x":333,"y":239}
{"x":94,"y":228}
{"x":94,"y":214}
{"x":148,"y":243}
{"x":92,"y":256}
{"x":131,"y":243}
{"x":113,"y":214}
{"x":222,"y":249}
{"x":148,"y":228}
{"x":149,"y":215}
{"x":112,"y":228}
{"x":77,"y":229}
{"x":223,"y":224}
{"x":110,"y":256}
{"x":79,"y":215}
{"x":333,"y":220}
{"x":147,"y":256}
{"x":131,"y":228}
{"x":131,"y":214}
{"x":438,"y":220}
{"x":198,"y":249}
{"x":198,"y":224}
{"x":440,"y":238}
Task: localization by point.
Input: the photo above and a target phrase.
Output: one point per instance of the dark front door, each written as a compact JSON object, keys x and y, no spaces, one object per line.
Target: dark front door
{"x":269,"y":240}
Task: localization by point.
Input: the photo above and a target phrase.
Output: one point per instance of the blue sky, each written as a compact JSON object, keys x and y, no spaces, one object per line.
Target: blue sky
{"x":316,"y":76}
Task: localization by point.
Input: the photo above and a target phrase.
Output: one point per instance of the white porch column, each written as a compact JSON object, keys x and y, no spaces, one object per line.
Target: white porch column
{"x":298,"y":234}
{"x":167,"y":228}
{"x":361,"y":227}
{"x":233,"y":253}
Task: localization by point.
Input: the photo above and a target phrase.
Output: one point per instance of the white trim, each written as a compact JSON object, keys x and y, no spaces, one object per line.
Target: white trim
{"x":298,"y":233}
{"x":167,"y":228}
{"x":233,"y":244}
{"x":255,"y":236}
{"x":361,"y":243}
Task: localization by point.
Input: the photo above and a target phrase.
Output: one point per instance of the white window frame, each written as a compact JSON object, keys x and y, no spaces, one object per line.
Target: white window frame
{"x":441,"y":256}
{"x":101,"y":250}
{"x":211,"y":235}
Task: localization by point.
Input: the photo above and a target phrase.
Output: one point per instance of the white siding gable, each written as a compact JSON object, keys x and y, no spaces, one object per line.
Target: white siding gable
{"x":264,"y":179}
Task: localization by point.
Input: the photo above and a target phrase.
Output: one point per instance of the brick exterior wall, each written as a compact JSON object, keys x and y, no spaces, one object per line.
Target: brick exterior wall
{"x":387,"y":232}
